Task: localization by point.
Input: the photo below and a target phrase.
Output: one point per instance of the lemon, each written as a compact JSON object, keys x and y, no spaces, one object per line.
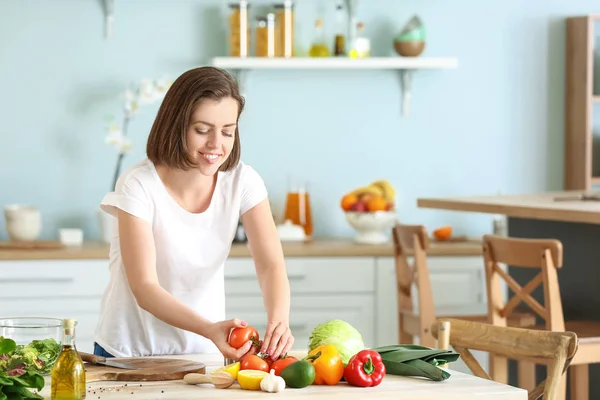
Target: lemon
{"x":249,"y":379}
{"x":231,"y":369}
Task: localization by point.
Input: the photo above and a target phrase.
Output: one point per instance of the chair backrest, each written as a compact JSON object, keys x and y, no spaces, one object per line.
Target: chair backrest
{"x":542,"y":254}
{"x":555,"y":349}
{"x":412,"y":240}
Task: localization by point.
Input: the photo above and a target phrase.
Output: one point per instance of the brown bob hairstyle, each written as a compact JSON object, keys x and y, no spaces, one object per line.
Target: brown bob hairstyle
{"x":167,"y":141}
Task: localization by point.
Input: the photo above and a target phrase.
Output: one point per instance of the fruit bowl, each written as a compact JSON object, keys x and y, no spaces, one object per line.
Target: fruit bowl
{"x":372,"y":227}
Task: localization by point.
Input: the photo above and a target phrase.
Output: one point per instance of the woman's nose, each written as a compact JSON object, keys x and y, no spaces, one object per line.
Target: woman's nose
{"x":213,"y":140}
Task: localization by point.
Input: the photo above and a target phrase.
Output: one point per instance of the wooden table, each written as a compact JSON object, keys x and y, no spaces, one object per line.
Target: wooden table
{"x":458,"y":386}
{"x":561,"y":215}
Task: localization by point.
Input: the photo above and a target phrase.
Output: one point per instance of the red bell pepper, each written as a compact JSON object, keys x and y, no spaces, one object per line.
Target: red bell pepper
{"x":364,"y":369}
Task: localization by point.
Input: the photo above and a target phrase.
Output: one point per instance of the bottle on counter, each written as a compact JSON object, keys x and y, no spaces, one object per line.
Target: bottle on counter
{"x":68,"y":374}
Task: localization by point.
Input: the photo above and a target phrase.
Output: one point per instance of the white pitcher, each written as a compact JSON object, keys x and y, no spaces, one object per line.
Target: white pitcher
{"x":23,"y":222}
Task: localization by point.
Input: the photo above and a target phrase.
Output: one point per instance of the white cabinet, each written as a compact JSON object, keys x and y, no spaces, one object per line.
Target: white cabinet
{"x":57,"y":289}
{"x":322,"y":289}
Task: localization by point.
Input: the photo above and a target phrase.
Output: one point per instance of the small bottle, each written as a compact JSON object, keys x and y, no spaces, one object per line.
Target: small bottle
{"x":318,"y":46}
{"x":68,"y":374}
{"x":361,"y":48}
{"x":340,"y":37}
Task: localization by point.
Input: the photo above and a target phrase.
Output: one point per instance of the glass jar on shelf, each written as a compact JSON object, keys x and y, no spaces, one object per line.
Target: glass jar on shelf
{"x":239,"y":29}
{"x":265,"y":36}
{"x":284,"y":29}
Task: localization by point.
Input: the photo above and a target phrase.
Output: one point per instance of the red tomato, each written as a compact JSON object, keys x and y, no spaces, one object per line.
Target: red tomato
{"x":280,"y":364}
{"x":239,"y":336}
{"x":253,"y":361}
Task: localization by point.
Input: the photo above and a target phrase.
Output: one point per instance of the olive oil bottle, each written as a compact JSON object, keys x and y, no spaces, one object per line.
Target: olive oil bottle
{"x":68,"y":373}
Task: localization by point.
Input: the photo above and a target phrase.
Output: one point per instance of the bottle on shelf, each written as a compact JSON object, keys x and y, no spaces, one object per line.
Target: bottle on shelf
{"x":361,"y":47}
{"x":318,"y":46}
{"x":68,"y":374}
{"x":339,"y":44}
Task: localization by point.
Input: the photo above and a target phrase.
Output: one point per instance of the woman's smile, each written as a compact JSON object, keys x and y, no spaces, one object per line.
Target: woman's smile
{"x":210,"y":158}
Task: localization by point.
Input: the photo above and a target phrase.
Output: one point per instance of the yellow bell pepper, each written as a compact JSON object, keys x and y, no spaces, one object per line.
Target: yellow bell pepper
{"x":329,"y":367}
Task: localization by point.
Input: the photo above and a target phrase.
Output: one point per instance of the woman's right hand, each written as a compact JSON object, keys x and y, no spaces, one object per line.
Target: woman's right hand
{"x":219,"y":332}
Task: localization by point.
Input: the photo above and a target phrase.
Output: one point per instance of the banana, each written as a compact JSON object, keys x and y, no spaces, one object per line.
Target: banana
{"x":371,"y":189}
{"x":388,"y":191}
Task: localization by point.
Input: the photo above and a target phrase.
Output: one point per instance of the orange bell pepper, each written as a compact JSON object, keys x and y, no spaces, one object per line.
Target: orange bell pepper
{"x":329,"y":367}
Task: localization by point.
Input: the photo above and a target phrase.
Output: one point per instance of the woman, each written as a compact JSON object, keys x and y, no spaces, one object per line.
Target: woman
{"x":177,"y":214}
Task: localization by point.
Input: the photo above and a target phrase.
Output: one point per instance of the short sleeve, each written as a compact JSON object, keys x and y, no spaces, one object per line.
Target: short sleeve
{"x":129,"y":196}
{"x":253,"y":189}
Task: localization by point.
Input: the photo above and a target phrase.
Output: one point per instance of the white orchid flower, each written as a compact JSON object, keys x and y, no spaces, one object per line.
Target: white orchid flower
{"x":131,"y":102}
{"x":116,"y":139}
{"x":163,"y":84}
{"x":147,"y":92}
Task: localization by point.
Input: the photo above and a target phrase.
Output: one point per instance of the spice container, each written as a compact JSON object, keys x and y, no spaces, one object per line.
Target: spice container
{"x":284,"y":29}
{"x":239,"y":31}
{"x":265,"y":36}
{"x":68,"y":374}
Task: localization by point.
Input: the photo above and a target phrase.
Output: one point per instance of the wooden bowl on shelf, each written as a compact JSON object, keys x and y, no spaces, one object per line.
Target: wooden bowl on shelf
{"x":412,"y":48}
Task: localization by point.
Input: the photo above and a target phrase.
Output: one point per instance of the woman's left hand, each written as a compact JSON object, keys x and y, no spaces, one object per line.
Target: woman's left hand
{"x":278,"y":339}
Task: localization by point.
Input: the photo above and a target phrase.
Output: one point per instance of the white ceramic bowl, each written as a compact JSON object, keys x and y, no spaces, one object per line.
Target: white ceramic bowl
{"x":372,"y":227}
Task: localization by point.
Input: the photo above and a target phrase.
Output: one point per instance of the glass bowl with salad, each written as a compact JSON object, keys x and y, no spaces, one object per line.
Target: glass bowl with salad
{"x":29,"y":343}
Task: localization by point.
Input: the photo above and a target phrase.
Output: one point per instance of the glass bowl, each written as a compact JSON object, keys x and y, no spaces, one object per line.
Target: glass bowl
{"x":38,"y":339}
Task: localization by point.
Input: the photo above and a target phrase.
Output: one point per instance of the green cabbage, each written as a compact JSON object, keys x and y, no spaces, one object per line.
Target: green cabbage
{"x":341,"y":334}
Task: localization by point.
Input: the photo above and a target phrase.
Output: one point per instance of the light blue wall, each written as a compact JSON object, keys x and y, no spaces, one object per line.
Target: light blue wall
{"x":494,"y":124}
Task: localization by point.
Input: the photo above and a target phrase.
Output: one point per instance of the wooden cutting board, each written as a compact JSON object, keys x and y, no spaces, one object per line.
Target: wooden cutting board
{"x":157,"y":369}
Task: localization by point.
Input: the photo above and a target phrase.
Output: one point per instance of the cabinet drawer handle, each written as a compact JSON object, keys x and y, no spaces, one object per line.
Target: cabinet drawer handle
{"x":253,"y":277}
{"x":36,"y":280}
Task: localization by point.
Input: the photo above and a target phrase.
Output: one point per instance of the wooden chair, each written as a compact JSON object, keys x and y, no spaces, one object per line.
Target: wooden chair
{"x":413,"y":240}
{"x":555,"y":349}
{"x":547,"y":256}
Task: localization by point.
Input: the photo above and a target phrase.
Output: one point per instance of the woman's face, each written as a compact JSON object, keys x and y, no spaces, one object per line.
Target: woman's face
{"x":211,"y":133}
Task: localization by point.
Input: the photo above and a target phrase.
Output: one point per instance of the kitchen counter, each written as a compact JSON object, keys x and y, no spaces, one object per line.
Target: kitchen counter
{"x":326,"y":247}
{"x":458,"y":386}
{"x":541,"y":206}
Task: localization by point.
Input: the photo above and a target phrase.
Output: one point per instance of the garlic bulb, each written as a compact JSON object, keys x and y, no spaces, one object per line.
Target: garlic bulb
{"x":272,"y":383}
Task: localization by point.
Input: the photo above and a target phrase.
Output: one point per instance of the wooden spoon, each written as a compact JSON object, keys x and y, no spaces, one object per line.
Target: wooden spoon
{"x":221,"y":380}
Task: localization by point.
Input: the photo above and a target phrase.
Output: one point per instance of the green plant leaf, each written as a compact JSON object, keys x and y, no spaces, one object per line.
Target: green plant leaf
{"x":7,"y":345}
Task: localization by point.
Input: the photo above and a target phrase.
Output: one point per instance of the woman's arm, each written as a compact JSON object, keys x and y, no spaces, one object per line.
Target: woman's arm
{"x":267,"y":254}
{"x":139,"y":257}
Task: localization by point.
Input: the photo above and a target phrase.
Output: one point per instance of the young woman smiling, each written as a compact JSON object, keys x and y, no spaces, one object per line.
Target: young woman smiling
{"x":177,"y":212}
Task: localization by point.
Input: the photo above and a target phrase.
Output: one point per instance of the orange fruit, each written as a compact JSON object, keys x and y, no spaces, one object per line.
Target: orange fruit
{"x":443,"y":233}
{"x":348,"y":201}
{"x":376,"y":203}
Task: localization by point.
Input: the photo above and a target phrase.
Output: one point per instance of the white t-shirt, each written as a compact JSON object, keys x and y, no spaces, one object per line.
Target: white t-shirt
{"x":190,"y":253}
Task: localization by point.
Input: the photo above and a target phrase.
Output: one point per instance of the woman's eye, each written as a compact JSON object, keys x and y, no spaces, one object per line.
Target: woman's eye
{"x":200,"y":131}
{"x":227,"y":134}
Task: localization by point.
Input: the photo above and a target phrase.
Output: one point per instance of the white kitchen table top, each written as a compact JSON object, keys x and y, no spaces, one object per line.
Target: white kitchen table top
{"x":458,"y":386}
